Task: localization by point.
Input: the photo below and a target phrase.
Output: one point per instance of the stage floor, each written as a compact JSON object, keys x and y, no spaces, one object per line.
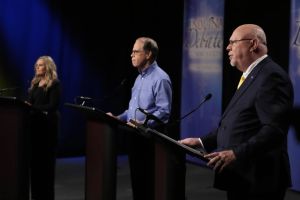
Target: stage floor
{"x":70,"y":181}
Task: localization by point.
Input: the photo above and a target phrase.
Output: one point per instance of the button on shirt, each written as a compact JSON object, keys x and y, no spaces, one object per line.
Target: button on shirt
{"x":152,"y":91}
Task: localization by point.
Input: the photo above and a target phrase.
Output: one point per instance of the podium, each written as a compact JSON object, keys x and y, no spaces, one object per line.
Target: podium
{"x":14,"y":181}
{"x":101,"y":152}
{"x":199,"y":153}
{"x":101,"y":157}
{"x":169,"y":181}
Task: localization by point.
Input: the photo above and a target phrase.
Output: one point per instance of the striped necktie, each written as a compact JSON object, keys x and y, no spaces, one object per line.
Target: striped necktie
{"x":241,"y":81}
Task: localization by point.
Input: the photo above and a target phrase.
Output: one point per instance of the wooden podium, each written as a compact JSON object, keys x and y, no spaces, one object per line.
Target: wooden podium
{"x":198,"y":153}
{"x":101,"y":153}
{"x":169,"y":180}
{"x":14,"y":181}
{"x":101,"y":157}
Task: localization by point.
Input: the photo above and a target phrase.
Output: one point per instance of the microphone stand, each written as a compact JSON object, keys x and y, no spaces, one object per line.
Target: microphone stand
{"x":105,"y":98}
{"x":206,"y":98}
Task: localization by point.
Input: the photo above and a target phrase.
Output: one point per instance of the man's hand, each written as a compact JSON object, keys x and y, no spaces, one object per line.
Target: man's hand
{"x":219,"y":160}
{"x":134,"y":123}
{"x":190,"y":141}
{"x":110,"y":114}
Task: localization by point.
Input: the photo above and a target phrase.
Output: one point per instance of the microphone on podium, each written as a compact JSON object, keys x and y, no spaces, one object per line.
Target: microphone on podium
{"x":206,"y":98}
{"x":150,"y":116}
{"x":3,"y":90}
{"x":172,"y":123}
{"x":115,"y":91}
{"x":83,"y":100}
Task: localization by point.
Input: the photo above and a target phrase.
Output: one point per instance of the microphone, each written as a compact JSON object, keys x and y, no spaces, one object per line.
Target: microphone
{"x":206,"y":98}
{"x":122,"y":83}
{"x":116,"y":90}
{"x":83,"y":98}
{"x":150,"y":116}
{"x":8,"y":89}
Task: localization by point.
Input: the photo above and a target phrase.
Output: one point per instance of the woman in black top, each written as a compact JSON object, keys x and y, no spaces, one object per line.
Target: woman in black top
{"x":44,"y":97}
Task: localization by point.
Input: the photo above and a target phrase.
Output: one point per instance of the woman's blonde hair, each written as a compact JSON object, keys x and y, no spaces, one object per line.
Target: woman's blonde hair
{"x":50,"y":74}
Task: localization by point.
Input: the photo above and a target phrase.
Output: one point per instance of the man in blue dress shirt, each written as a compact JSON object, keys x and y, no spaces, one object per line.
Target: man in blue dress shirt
{"x":152,"y":92}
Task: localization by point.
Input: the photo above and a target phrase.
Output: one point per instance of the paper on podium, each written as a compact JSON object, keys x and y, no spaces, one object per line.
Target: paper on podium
{"x":199,"y":153}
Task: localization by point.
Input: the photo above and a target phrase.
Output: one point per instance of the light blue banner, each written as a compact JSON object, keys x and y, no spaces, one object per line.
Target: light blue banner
{"x":202,"y":66}
{"x":294,"y":69}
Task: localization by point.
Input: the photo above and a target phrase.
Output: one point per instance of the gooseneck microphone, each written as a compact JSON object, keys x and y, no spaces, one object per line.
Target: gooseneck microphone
{"x":150,"y":116}
{"x":8,"y":89}
{"x":116,"y":90}
{"x":206,"y":98}
{"x":83,"y":99}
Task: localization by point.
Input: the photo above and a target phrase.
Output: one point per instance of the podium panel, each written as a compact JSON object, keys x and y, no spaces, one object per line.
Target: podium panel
{"x":14,"y":181}
{"x":101,"y":153}
{"x":169,"y":173}
{"x":101,"y":161}
{"x":170,"y":164}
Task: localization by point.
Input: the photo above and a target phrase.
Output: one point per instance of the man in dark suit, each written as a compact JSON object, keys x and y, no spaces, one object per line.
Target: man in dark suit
{"x":248,"y":150}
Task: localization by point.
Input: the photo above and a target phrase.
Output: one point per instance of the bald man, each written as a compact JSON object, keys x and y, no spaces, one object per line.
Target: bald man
{"x":248,"y":150}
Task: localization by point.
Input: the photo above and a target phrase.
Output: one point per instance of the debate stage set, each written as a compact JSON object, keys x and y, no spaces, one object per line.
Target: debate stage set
{"x":91,"y":43}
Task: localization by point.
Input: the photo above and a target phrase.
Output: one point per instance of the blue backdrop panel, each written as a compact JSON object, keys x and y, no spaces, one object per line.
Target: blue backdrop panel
{"x":202,"y":65}
{"x":293,"y":144}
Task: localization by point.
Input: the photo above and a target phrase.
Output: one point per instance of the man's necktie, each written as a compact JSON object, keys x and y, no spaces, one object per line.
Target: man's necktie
{"x":241,"y":81}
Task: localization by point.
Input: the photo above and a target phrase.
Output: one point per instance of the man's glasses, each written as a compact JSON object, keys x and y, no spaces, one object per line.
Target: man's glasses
{"x":136,"y":51}
{"x":231,"y":42}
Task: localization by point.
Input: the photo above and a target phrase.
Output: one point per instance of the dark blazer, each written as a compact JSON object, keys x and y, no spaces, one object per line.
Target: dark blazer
{"x":255,"y":126}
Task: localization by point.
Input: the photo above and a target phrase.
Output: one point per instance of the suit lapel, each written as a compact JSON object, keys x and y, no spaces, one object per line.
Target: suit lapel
{"x":243,"y":88}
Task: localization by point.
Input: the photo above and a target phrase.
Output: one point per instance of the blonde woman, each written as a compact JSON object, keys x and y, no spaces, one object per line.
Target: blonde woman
{"x":44,"y":97}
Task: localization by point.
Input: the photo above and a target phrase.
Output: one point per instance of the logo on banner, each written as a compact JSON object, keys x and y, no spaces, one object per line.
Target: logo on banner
{"x":204,"y":43}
